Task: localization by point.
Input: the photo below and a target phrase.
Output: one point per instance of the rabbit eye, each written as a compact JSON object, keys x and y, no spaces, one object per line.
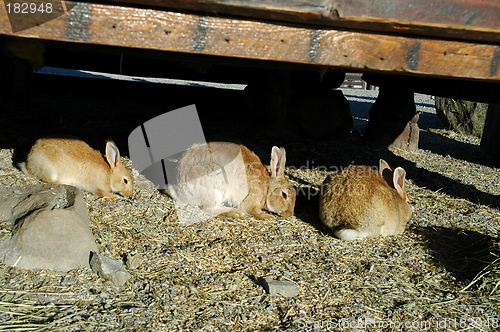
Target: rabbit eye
{"x":125,"y":180}
{"x":284,"y":195}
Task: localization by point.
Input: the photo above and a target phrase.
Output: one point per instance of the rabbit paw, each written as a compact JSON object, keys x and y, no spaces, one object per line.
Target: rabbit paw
{"x":233,"y":213}
{"x":226,"y":212}
{"x":107,"y":195}
{"x":112,"y":197}
{"x":259,"y":214}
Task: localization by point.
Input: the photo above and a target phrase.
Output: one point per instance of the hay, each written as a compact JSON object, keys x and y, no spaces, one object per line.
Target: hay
{"x":443,"y":271}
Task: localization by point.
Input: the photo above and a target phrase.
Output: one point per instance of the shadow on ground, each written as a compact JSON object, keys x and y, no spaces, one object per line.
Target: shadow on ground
{"x":463,"y":253}
{"x":98,"y":109}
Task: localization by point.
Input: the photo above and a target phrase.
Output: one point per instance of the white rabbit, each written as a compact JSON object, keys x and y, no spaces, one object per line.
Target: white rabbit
{"x":227,"y":178}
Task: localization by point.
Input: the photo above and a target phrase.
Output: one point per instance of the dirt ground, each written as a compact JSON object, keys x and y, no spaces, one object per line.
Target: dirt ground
{"x":204,"y":276}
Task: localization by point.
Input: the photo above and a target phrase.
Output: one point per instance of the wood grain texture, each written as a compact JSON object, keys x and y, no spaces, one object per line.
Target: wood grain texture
{"x":237,"y":38}
{"x":465,"y":20}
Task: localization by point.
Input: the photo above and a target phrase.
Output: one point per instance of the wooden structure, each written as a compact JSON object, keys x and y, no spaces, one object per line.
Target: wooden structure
{"x":453,"y":40}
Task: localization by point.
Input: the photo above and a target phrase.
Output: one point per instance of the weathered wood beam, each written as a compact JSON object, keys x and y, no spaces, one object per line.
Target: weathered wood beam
{"x":477,"y":20}
{"x":102,"y":24}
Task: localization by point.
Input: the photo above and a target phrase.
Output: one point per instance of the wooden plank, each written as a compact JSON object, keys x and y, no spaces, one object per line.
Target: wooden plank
{"x":188,"y":33}
{"x":477,"y":20}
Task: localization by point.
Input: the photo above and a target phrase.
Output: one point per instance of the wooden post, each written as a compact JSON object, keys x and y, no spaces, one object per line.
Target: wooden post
{"x":317,"y":109}
{"x":267,"y":98}
{"x":393,"y":120}
{"x":490,"y":141}
{"x":16,"y":78}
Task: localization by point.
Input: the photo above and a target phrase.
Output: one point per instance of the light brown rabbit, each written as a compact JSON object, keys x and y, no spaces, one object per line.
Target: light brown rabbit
{"x":73,"y":162}
{"x":360,"y":202}
{"x":227,"y":178}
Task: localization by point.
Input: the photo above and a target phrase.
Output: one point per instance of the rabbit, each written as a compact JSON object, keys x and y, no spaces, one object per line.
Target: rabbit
{"x":360,"y":202}
{"x":229,"y":179}
{"x":73,"y":162}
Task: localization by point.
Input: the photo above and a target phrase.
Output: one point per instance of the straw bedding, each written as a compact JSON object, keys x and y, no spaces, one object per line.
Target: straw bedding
{"x":441,"y":273}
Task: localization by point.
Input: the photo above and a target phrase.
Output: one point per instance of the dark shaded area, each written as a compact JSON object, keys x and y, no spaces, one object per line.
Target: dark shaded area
{"x":449,"y":147}
{"x":464,"y":253}
{"x":95,"y":110}
{"x":482,"y":91}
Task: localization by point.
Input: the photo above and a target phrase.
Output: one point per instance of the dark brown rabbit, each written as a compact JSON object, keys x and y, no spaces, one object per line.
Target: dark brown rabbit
{"x":360,"y":202}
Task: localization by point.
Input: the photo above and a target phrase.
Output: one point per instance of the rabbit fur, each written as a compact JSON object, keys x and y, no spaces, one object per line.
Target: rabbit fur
{"x":73,"y":162}
{"x":360,"y":202}
{"x":229,"y":179}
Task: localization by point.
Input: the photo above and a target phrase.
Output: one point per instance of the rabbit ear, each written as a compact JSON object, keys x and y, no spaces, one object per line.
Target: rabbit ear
{"x":278,"y":159}
{"x":399,"y":180}
{"x":386,"y":172}
{"x":383,"y":165}
{"x":112,"y":154}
